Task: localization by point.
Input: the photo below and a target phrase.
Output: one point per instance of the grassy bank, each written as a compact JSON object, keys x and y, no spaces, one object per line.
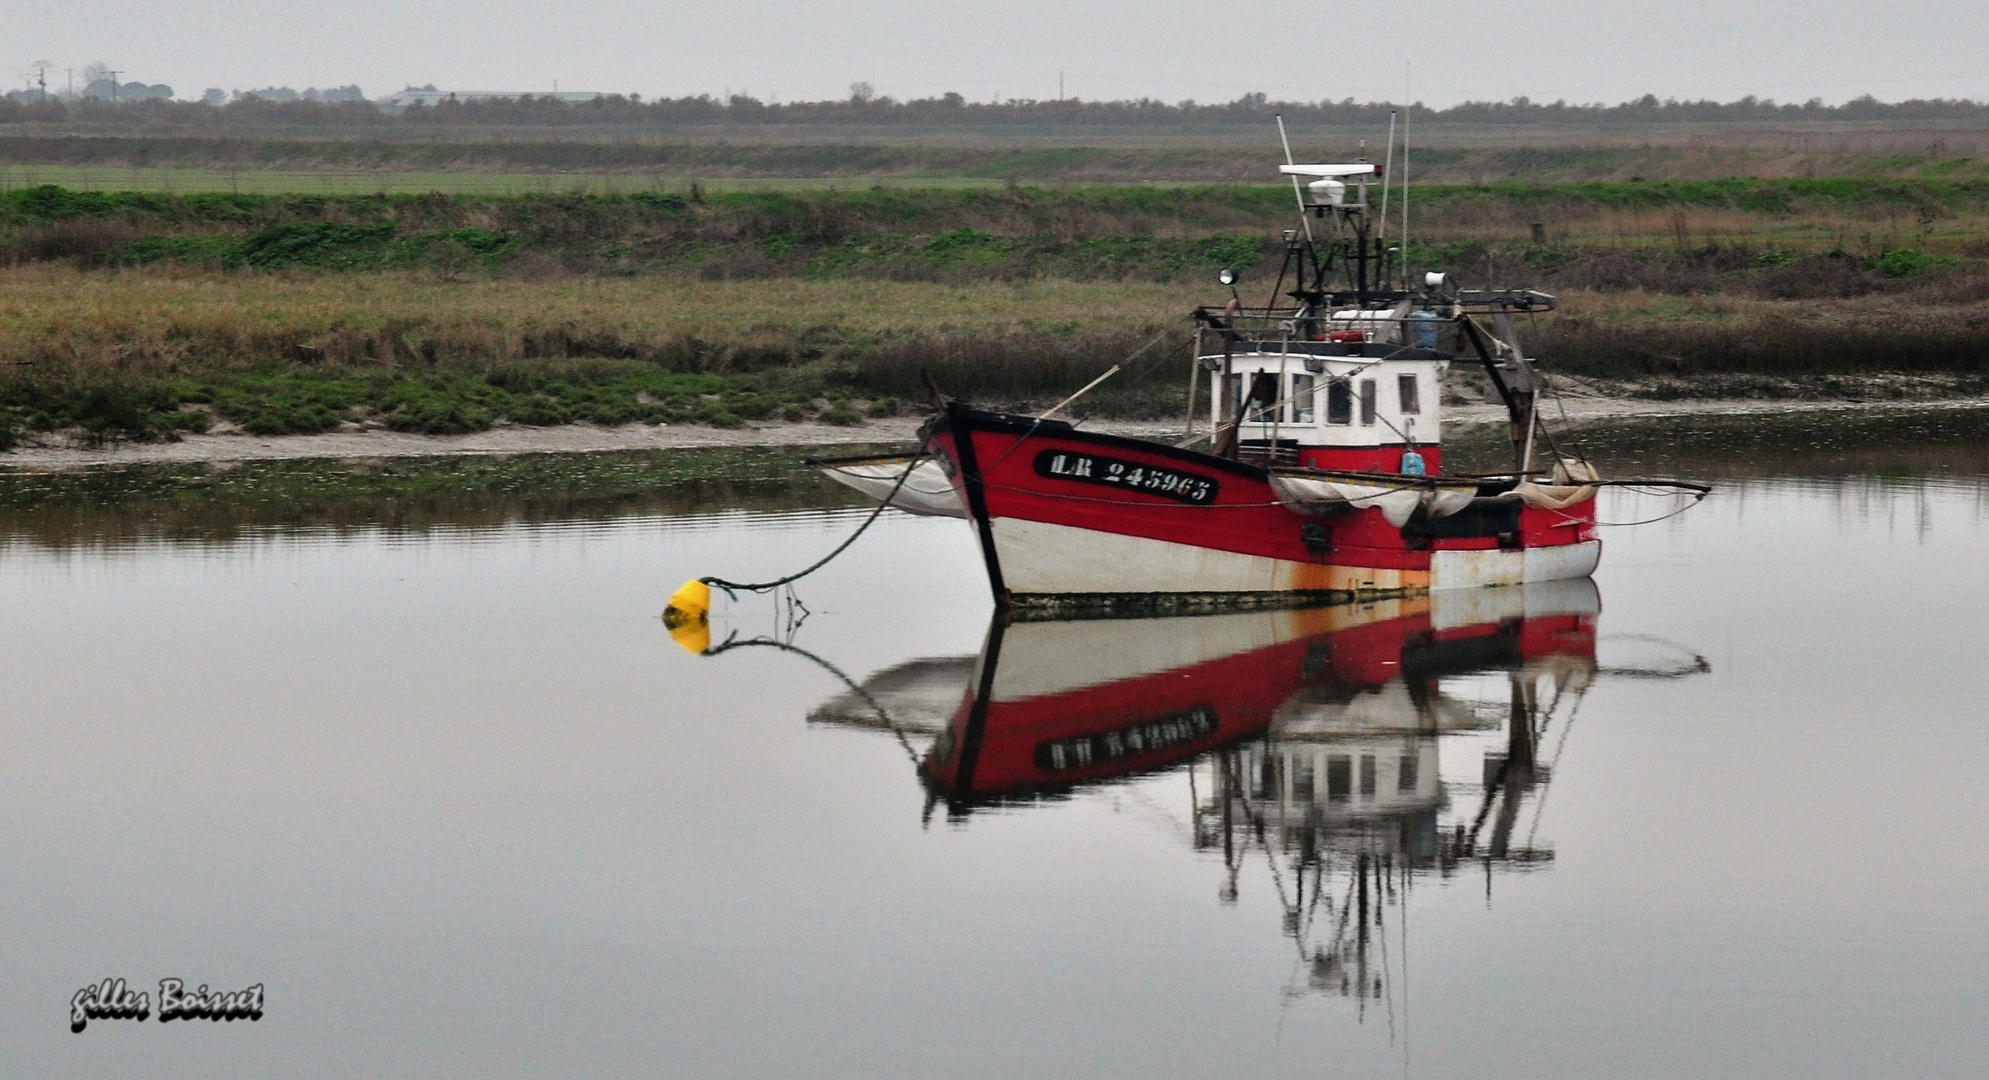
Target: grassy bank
{"x":852,"y":229}
{"x":1652,"y":232}
{"x":137,"y":315}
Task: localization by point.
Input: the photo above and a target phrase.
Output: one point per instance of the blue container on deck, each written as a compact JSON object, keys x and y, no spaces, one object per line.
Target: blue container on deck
{"x":1424,"y":327}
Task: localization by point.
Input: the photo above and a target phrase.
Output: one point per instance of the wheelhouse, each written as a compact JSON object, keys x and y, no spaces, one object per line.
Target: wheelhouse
{"x":1369,"y":403}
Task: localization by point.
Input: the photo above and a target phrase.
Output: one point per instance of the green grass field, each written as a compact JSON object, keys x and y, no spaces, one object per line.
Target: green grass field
{"x":188,"y":181}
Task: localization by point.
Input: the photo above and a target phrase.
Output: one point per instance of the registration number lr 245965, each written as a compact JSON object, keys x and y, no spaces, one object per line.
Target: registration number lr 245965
{"x":1130,"y":475}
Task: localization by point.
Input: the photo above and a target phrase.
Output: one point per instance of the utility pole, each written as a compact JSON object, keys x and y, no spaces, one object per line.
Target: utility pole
{"x":41,"y":78}
{"x":113,"y":85}
{"x":1060,"y":86}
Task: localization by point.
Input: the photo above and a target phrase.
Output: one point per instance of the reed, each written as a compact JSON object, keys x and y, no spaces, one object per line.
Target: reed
{"x":144,"y":353}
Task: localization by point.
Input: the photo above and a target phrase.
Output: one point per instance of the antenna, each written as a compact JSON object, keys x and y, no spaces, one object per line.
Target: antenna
{"x":1296,"y":193}
{"x":1387,"y":164}
{"x":1408,"y":107}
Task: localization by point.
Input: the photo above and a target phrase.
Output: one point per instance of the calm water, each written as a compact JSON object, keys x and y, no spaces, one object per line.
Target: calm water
{"x":455,"y":797}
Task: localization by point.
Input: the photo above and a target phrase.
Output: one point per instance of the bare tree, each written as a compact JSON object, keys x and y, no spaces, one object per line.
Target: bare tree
{"x":861,"y":92}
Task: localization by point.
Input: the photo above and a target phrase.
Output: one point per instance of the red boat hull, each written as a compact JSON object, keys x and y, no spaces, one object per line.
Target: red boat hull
{"x":1073,"y":518}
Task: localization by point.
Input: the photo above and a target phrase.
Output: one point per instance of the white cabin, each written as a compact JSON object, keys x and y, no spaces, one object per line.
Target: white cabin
{"x":1344,"y":393}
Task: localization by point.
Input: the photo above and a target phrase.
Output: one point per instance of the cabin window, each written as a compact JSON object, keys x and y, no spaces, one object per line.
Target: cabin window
{"x":1304,"y":400}
{"x":1259,"y":409}
{"x":1412,"y":402}
{"x":1405,"y":774}
{"x":1367,"y":776}
{"x":1230,"y":396}
{"x":1301,"y":779}
{"x":1367,"y":402}
{"x":1339,"y":402}
{"x":1339,"y":777}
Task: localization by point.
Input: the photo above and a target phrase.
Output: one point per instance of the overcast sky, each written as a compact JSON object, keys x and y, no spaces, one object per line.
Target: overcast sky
{"x":1580,"y":50}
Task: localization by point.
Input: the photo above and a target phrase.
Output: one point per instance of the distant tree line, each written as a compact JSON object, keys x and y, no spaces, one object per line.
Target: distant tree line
{"x":343,"y":107}
{"x":349,"y":92}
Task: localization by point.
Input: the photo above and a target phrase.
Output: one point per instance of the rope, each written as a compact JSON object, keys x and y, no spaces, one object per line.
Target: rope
{"x":1037,"y":423}
{"x":1149,"y":366}
{"x":1627,"y":524}
{"x":733,"y":588}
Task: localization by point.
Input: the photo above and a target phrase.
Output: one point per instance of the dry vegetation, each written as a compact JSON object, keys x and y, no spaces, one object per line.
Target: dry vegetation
{"x":175,"y":320}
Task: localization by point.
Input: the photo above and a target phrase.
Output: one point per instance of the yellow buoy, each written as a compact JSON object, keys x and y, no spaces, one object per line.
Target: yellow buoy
{"x":688,"y":616}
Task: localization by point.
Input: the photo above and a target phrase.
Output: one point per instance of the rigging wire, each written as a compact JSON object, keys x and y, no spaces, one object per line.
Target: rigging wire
{"x":734,"y":588}
{"x":1683,"y":507}
{"x":1560,"y":744}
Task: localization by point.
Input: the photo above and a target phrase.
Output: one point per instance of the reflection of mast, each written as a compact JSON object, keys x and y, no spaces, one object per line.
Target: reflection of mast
{"x":1346,"y":801}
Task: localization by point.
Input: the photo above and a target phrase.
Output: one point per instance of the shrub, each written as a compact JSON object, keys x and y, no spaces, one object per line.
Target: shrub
{"x":1904,"y":262}
{"x":312,"y":243}
{"x":438,"y":415}
{"x":121,"y":409}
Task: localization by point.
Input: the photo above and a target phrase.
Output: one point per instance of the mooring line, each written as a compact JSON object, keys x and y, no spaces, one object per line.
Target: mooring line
{"x":733,"y":588}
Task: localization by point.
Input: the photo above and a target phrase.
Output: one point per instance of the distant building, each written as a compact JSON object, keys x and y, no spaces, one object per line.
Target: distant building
{"x":430,"y":97}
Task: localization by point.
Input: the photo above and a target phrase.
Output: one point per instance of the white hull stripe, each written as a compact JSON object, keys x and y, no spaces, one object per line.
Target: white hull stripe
{"x":1040,"y":558}
{"x":1476,"y":569}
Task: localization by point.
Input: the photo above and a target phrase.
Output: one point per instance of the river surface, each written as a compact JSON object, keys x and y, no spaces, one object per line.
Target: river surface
{"x":449,"y":791}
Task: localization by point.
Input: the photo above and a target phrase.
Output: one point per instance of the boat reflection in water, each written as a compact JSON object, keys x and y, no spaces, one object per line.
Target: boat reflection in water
{"x":1312,"y":738}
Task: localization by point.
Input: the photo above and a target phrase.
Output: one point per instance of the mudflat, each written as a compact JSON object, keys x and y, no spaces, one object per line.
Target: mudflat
{"x":1580,"y":405}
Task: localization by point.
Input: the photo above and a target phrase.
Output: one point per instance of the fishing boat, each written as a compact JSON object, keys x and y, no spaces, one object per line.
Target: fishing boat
{"x":1319,"y":477}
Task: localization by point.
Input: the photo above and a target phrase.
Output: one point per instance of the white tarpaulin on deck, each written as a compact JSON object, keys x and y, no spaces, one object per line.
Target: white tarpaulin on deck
{"x":1319,"y":497}
{"x":1567,"y":487}
{"x":927,"y":491}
